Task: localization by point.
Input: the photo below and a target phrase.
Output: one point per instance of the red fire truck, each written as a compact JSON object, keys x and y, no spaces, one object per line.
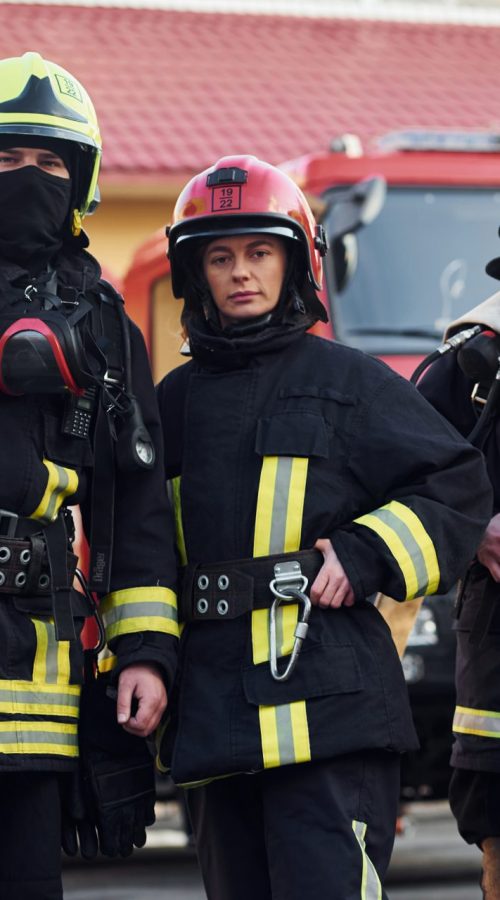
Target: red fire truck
{"x":411,"y":225}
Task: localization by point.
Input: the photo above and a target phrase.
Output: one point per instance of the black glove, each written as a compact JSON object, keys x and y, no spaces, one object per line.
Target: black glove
{"x":110,"y":800}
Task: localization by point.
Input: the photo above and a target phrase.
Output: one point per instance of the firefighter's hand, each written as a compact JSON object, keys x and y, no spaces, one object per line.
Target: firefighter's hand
{"x":142,"y":698}
{"x":331,"y":586}
{"x":489,"y":549}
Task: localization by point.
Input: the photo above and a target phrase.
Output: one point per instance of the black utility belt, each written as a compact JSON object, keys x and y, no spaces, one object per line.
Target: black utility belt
{"x":25,"y":576}
{"x":24,"y":566}
{"x":223,"y":591}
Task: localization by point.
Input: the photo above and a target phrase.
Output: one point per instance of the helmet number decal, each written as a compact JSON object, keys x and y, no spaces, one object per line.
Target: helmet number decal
{"x":226,"y":197}
{"x":67,"y":86}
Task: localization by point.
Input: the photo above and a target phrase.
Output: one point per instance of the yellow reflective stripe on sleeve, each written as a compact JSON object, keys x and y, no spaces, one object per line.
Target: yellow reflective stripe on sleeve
{"x":174,"y":486}
{"x":27,"y":698}
{"x":284,"y":729}
{"x":406,"y":538}
{"x":423,"y":540}
{"x":136,"y":609}
{"x":370,"y":888}
{"x":61,"y":483}
{"x":481,"y":722}
{"x":284,"y":734}
{"x":52,"y":658}
{"x":60,"y":738}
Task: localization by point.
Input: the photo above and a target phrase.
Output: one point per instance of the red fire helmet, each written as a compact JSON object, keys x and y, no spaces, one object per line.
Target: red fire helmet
{"x":243,"y":195}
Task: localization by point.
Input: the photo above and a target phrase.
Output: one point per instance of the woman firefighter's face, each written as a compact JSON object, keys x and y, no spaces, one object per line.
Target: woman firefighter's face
{"x":17,"y":157}
{"x":245,"y":274}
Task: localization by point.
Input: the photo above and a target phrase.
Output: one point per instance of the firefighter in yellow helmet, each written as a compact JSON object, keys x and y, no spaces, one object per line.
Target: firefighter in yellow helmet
{"x":308,"y":476}
{"x":79,"y":427}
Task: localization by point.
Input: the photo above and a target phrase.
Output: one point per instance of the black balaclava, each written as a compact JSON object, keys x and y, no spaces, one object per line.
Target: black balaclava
{"x":34,"y":205}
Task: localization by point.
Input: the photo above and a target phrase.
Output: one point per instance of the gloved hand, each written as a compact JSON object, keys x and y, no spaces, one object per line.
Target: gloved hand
{"x":110,"y":800}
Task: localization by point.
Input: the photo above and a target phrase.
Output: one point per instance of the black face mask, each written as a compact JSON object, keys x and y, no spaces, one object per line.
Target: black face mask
{"x":34,"y":207}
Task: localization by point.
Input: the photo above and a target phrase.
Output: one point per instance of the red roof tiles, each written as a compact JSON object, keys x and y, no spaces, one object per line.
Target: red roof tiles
{"x":174,"y":91}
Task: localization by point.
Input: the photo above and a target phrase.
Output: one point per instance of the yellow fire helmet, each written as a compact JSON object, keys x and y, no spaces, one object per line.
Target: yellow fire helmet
{"x":40,"y":98}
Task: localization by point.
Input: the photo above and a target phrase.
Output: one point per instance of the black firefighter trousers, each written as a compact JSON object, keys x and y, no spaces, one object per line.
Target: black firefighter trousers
{"x":322,"y":830}
{"x":30,"y":836}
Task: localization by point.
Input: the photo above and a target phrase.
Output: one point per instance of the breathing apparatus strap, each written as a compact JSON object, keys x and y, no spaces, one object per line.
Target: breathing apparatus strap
{"x":102,"y":507}
{"x":56,"y":542}
{"x":117,"y":350}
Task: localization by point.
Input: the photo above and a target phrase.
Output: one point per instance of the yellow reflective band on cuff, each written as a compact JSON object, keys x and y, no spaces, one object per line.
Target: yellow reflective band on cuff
{"x":27,"y":698}
{"x":370,"y":888}
{"x":140,"y":609}
{"x":39,"y":737}
{"x":61,"y":483}
{"x":132,"y":625}
{"x":284,"y":734}
{"x":406,"y":538}
{"x":481,"y":722}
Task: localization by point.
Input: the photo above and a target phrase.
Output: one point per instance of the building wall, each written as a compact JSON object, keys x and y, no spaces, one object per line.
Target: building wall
{"x":121,"y":224}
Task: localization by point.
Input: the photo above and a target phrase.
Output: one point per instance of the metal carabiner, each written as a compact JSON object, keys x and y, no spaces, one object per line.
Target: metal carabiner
{"x":300,"y":632}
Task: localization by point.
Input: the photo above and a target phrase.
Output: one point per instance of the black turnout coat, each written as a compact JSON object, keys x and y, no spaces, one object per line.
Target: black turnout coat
{"x":42,"y":471}
{"x":271,"y":442}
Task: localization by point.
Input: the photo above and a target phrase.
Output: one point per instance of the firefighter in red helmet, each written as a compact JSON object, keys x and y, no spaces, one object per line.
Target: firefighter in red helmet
{"x":300,"y":490}
{"x":79,"y":427}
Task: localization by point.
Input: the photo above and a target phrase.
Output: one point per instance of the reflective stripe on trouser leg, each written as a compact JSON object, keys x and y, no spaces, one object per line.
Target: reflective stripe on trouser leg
{"x":278,"y":526}
{"x":370,"y":888}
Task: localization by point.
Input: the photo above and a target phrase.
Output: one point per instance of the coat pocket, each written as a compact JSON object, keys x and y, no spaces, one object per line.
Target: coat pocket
{"x":322,"y":670}
{"x":292,"y":434}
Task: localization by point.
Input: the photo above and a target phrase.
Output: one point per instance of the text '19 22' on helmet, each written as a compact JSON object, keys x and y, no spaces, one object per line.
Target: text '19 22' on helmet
{"x":39,"y":98}
{"x":243,"y":195}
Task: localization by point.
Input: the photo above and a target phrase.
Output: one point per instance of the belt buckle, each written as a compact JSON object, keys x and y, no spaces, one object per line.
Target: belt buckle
{"x":12,"y":523}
